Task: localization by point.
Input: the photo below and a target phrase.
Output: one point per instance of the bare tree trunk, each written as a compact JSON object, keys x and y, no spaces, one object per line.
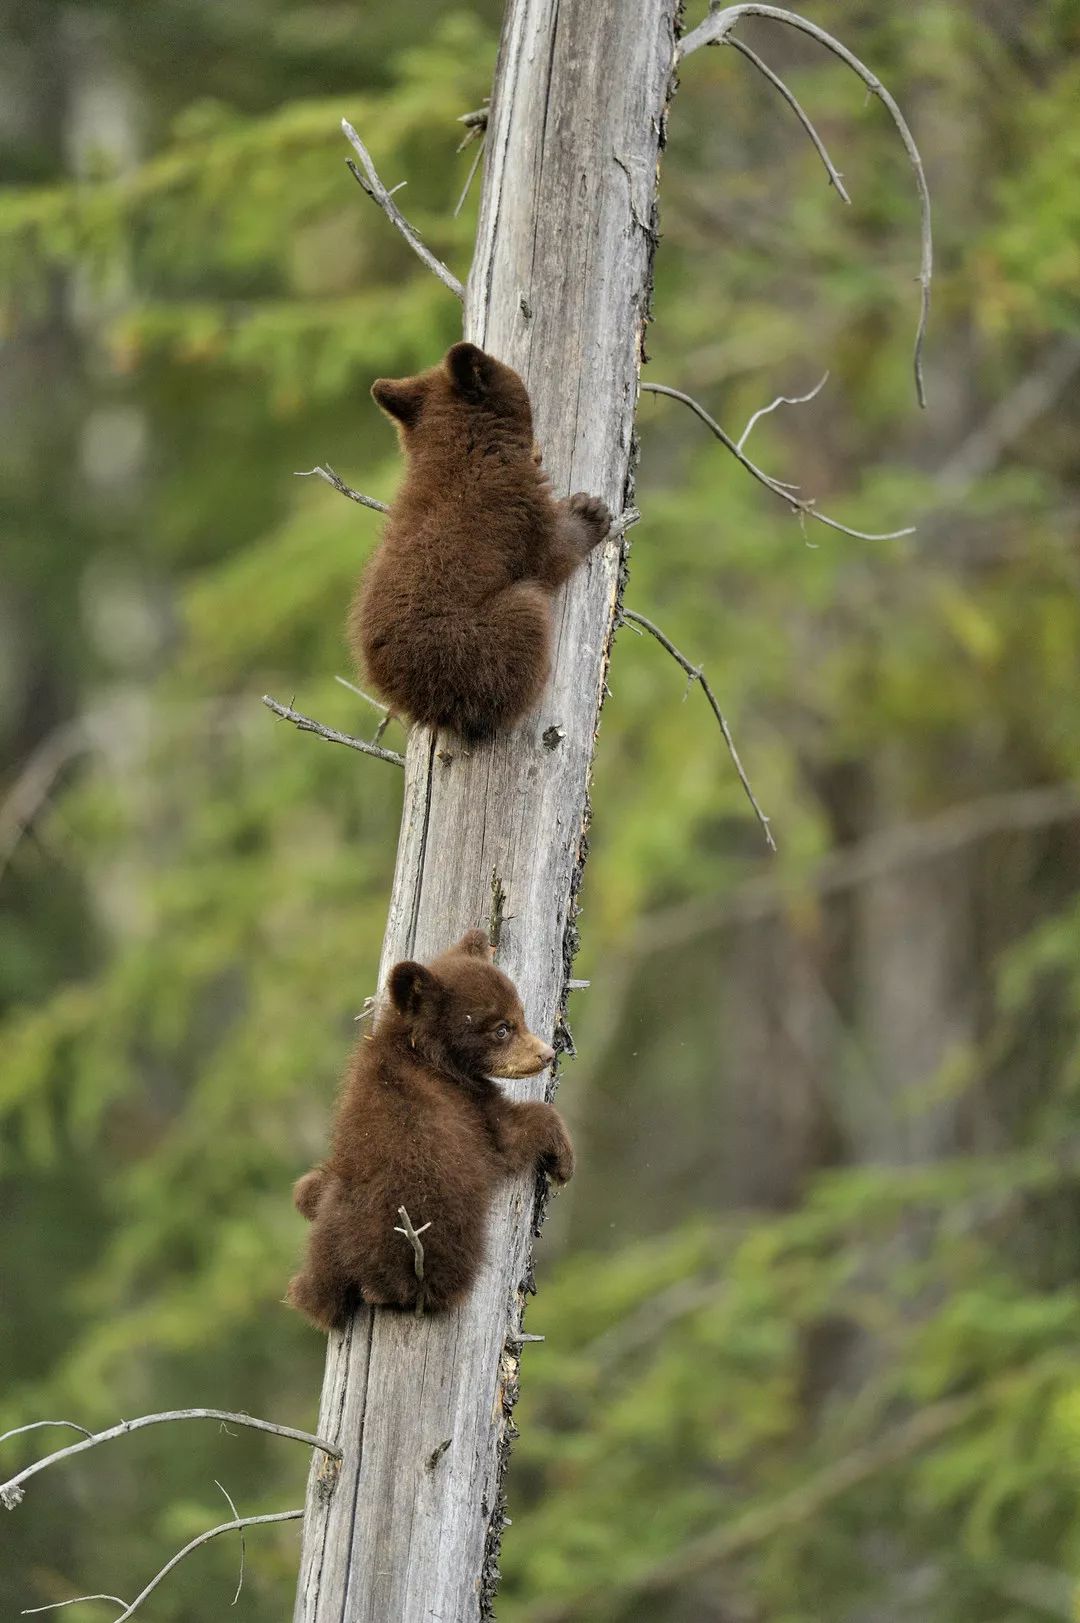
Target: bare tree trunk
{"x":408,"y":1529}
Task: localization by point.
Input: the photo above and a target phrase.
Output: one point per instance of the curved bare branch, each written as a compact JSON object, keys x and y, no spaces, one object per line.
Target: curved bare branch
{"x":36,"y":1425}
{"x":11,"y":1492}
{"x":799,"y":111}
{"x":716,"y":30}
{"x":778,"y":488}
{"x":375,"y":189}
{"x":696,"y":674}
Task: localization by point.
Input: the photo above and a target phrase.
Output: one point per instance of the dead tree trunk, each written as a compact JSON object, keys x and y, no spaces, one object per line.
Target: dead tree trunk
{"x":407,"y":1529}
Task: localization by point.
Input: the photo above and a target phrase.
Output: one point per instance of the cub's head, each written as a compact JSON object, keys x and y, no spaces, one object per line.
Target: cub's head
{"x":463,"y":1011}
{"x":467,"y":382}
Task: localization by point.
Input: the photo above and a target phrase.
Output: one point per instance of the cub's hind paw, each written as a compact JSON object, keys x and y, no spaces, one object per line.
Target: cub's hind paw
{"x":592,"y":511}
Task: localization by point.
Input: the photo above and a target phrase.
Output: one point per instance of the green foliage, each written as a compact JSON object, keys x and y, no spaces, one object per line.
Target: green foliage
{"x":194,"y":919}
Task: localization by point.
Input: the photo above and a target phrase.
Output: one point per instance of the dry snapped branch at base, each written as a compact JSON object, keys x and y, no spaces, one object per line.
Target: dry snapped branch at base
{"x":332,"y":736}
{"x":696,"y":674}
{"x":413,"y":1237}
{"x":375,"y":189}
{"x":11,"y":1492}
{"x":805,"y":508}
{"x":716,"y":30}
{"x":129,"y":1609}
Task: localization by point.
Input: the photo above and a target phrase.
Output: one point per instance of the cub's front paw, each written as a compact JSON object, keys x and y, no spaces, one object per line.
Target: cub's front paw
{"x":592,"y":512}
{"x":558,"y":1160}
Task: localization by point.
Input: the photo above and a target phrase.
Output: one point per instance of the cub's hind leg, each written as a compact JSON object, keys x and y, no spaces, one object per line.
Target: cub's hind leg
{"x":502,"y":666}
{"x":323,"y":1295}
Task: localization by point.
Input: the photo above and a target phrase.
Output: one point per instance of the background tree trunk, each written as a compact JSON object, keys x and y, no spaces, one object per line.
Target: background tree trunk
{"x":559,"y":288}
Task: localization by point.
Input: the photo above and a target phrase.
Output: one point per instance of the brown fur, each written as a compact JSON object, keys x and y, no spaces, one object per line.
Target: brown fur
{"x":421,"y":1125}
{"x":452,"y":619}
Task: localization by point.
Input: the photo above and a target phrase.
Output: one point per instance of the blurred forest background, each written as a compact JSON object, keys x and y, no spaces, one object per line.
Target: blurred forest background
{"x":811,"y":1304}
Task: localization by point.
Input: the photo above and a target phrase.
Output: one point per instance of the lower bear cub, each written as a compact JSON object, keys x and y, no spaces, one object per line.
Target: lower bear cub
{"x":452,"y":618}
{"x":421,"y":1125}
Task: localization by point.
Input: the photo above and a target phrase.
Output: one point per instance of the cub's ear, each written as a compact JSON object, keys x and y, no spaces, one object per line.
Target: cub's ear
{"x":400,"y":398}
{"x":475,"y":944}
{"x":411,"y":986}
{"x":470,"y":369}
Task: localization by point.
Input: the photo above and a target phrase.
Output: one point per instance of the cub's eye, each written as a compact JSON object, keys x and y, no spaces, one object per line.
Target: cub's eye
{"x":502,"y":1032}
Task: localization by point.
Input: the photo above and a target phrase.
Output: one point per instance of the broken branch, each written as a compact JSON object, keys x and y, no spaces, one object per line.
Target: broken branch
{"x":413,"y":1237}
{"x":327,"y":473}
{"x":696,"y":674}
{"x":332,"y":736}
{"x":11,"y":1492}
{"x":778,"y":488}
{"x":775,"y":80}
{"x":716,"y":30}
{"x":375,"y":189}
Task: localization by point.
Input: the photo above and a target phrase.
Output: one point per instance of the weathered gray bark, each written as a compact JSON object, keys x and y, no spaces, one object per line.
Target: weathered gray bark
{"x":409,"y":1529}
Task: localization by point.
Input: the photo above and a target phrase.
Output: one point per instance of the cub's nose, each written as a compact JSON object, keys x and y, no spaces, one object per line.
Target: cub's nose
{"x":544,"y":1054}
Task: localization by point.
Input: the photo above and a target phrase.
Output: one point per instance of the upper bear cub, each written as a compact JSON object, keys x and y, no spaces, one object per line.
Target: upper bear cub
{"x":452,"y":618}
{"x":421,"y":1125}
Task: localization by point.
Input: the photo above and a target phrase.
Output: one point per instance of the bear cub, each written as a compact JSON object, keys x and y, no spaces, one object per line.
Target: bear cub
{"x":422,"y":1125}
{"x":452,"y":618}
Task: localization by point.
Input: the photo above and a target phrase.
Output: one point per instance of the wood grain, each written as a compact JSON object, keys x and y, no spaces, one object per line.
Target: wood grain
{"x":407,"y":1529}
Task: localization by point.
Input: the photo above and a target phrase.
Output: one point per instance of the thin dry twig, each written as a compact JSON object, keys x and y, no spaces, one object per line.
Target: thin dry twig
{"x":471,"y":176}
{"x":326,"y":473}
{"x":413,"y":1237}
{"x":375,"y":189}
{"x":35,"y":1425}
{"x":805,"y":508}
{"x":332,"y":736}
{"x":237,"y":1525}
{"x":716,"y":30}
{"x":386,"y":715}
{"x":800,"y":113}
{"x":76,"y":1600}
{"x":11,"y":1492}
{"x":781,"y":400}
{"x":696,"y":674}
{"x":243,"y":1540}
{"x":360,"y":694}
